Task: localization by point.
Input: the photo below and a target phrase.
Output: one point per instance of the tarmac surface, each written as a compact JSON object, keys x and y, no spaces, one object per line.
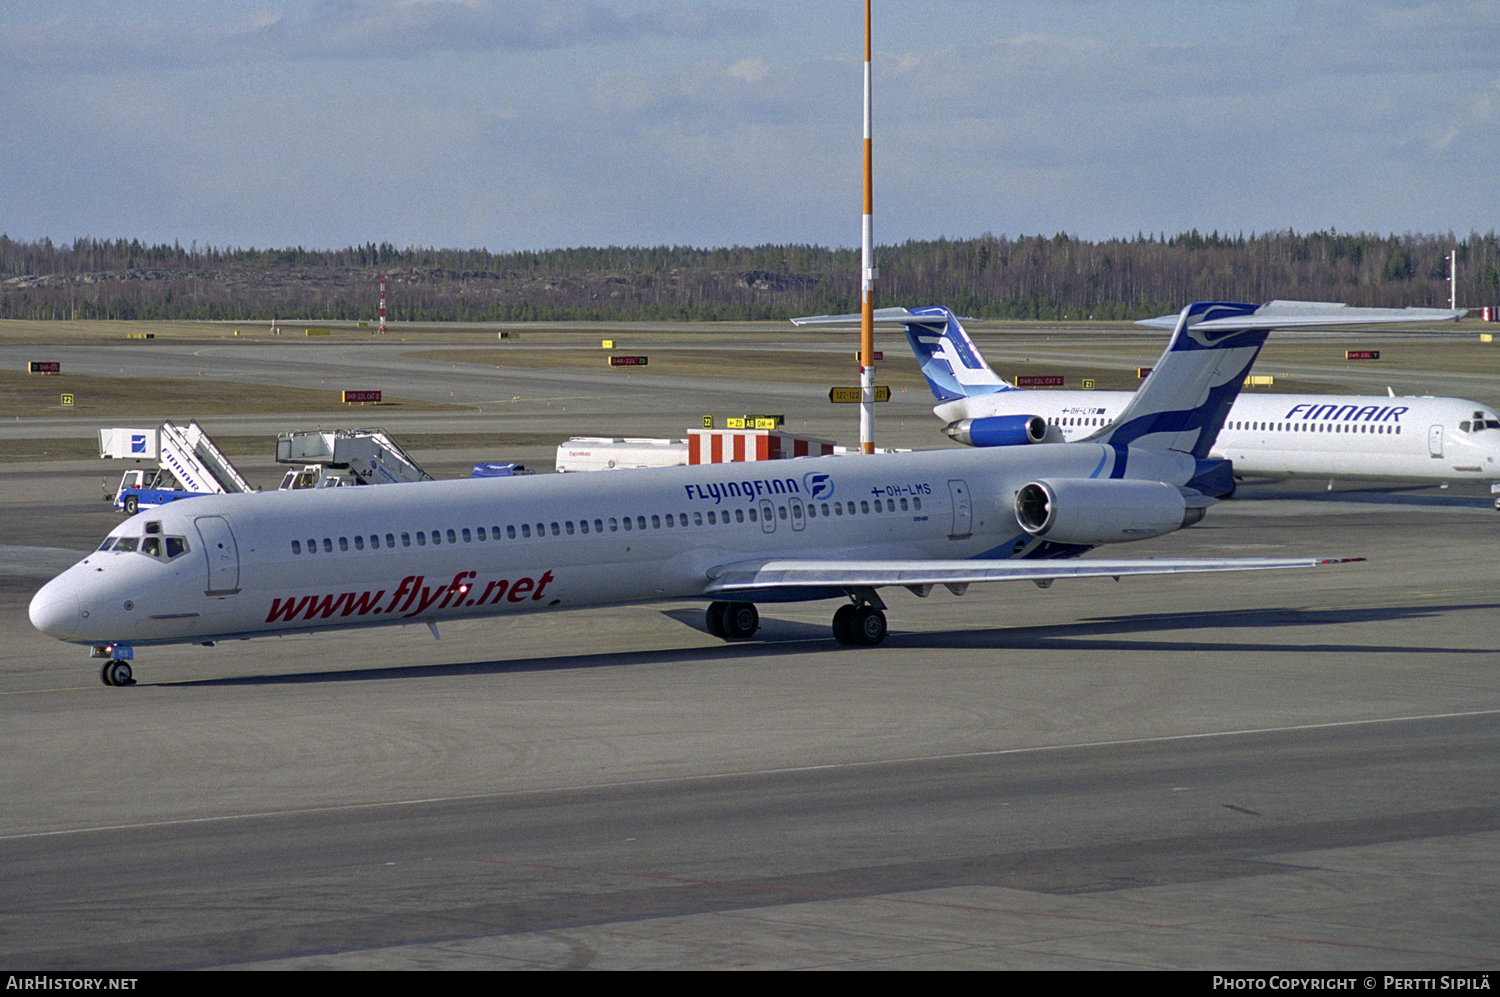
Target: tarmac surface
{"x":1273,"y":771}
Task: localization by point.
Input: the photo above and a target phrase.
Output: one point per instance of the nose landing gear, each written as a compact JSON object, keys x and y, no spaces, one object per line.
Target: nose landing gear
{"x":116,"y":673}
{"x":116,"y":668}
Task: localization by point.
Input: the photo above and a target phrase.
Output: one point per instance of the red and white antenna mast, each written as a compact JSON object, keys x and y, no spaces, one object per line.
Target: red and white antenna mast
{"x":1452,"y":279}
{"x":868,"y":273}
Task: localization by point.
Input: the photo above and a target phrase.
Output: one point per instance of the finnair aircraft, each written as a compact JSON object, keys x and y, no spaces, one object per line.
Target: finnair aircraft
{"x":1427,"y":440}
{"x":232,"y":567}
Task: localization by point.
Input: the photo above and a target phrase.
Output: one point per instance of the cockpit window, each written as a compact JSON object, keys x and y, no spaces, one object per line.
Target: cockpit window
{"x":160,"y":547}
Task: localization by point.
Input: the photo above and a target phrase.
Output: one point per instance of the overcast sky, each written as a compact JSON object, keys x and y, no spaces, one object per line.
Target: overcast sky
{"x":532,"y":124}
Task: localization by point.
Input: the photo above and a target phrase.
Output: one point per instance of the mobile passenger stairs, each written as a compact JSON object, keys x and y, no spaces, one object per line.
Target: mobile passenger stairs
{"x":332,"y":458}
{"x":187,"y":464}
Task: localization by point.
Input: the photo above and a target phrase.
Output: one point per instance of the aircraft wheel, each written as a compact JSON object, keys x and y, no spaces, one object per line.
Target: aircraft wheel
{"x":869,"y":626}
{"x":116,"y":673}
{"x":843,"y":625}
{"x":132,"y":505}
{"x":714,"y":619}
{"x":740,"y":620}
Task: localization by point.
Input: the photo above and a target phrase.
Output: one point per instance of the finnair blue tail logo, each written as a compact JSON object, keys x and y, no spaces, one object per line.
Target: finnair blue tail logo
{"x":137,"y":443}
{"x":949,"y":360}
{"x":818,"y":485}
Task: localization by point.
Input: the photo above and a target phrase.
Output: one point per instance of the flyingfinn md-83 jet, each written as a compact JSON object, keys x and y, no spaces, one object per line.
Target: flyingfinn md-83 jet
{"x":1409,"y":439}
{"x":232,"y":567}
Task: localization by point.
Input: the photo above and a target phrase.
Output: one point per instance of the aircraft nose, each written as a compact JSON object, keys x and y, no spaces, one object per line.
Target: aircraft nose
{"x":54,"y":611}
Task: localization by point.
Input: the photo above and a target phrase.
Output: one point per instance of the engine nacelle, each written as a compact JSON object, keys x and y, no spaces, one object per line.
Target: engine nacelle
{"x":999,"y":430}
{"x":1087,"y":511}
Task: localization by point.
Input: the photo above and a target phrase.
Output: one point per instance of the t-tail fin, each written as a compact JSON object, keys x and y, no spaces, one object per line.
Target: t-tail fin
{"x":1185,"y":399}
{"x":950,"y":361}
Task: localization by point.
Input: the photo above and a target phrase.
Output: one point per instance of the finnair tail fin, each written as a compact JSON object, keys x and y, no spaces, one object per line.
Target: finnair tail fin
{"x":1185,"y":399}
{"x":950,"y":361}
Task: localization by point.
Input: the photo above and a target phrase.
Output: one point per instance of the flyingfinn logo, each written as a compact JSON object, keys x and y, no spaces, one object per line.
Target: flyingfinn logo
{"x":718,"y":491}
{"x":819,"y":485}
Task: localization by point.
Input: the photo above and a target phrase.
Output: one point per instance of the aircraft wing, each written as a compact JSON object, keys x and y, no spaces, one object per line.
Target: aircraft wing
{"x":750,"y":576}
{"x":1301,"y":314}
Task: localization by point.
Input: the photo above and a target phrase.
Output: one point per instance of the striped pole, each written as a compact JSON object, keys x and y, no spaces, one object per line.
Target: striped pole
{"x":868,"y":273}
{"x":382,"y":304}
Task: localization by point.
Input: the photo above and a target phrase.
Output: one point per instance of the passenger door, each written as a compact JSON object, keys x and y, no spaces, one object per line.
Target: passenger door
{"x":222,"y":553}
{"x":963,"y":510}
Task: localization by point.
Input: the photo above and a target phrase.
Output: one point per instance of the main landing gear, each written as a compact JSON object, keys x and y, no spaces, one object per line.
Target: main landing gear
{"x":116,"y":673}
{"x":732,"y":620}
{"x":859,"y":624}
{"x":862,"y":622}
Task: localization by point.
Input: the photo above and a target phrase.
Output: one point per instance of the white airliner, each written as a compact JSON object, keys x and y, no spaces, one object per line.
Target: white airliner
{"x":1410,"y":439}
{"x":224,"y":567}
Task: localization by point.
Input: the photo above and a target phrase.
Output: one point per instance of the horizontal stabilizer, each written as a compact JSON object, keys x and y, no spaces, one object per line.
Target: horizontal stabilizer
{"x":883,"y":316}
{"x":1307,"y":314}
{"x":749,"y":576}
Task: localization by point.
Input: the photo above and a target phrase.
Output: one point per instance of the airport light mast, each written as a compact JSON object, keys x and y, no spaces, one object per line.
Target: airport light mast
{"x":867,"y":274}
{"x":1453,"y":279}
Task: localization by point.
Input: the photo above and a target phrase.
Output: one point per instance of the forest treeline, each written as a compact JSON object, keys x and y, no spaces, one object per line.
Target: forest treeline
{"x":1000,"y":277}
